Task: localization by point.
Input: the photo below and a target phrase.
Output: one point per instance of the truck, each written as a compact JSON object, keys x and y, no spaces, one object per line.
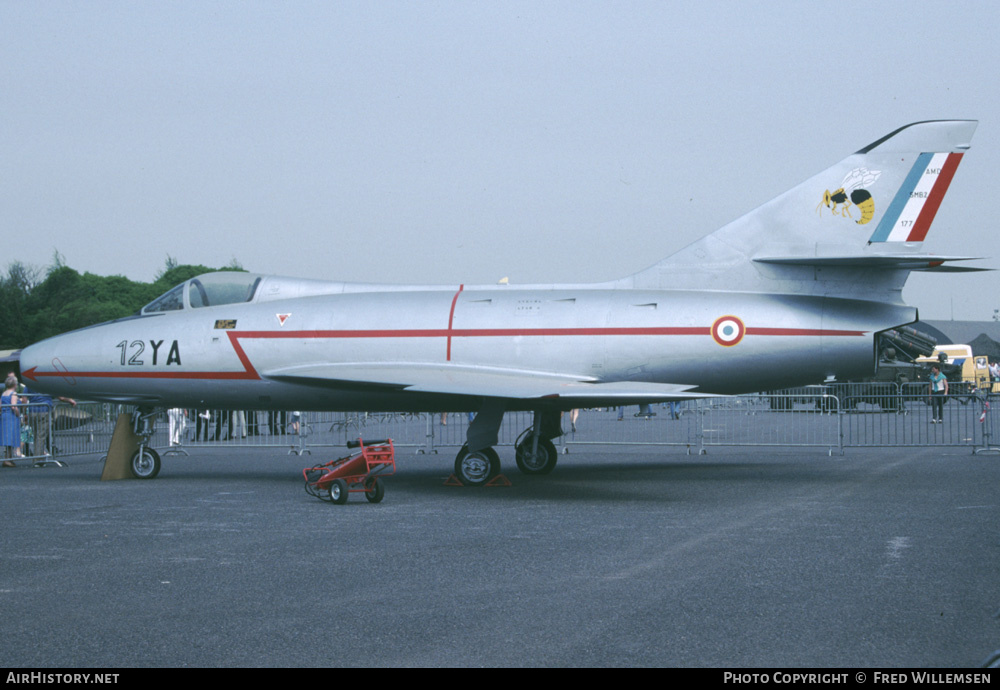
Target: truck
{"x":965,"y":371}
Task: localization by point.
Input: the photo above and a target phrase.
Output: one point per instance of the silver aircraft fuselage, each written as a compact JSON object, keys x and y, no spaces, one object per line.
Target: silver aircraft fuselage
{"x":247,"y":355}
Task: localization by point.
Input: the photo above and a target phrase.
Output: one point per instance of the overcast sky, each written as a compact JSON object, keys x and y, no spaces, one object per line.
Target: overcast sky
{"x":461,"y":142}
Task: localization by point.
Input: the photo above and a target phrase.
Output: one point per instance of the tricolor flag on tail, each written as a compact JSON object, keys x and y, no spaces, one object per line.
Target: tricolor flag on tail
{"x":909,"y":215}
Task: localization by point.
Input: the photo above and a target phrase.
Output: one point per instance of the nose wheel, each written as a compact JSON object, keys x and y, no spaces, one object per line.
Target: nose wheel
{"x":145,"y":463}
{"x":478,"y":467}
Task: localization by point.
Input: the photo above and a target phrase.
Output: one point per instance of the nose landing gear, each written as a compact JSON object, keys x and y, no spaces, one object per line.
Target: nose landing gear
{"x":145,"y":462}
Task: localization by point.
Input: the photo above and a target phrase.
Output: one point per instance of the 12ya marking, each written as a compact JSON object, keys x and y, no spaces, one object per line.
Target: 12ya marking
{"x":132,"y":352}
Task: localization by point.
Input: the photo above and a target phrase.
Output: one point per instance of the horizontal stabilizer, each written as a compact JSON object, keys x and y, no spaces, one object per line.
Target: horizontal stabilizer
{"x":480,"y":382}
{"x":910,"y":262}
{"x":952,"y":269}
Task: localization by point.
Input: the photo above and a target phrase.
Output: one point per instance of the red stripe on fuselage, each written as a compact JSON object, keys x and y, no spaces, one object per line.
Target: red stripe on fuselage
{"x":213,"y":375}
{"x":250,"y":373}
{"x":513,"y":332}
{"x":799,"y":331}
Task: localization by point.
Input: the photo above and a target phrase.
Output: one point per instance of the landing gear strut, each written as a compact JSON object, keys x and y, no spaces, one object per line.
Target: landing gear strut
{"x":534,"y":451}
{"x":145,"y":462}
{"x":478,"y":466}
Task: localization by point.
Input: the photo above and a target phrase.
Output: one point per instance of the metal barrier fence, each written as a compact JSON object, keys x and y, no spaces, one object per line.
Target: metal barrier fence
{"x":49,"y":430}
{"x":883,"y":416}
{"x":906,"y":417}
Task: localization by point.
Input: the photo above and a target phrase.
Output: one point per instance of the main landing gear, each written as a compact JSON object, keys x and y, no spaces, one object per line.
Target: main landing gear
{"x":534,"y":451}
{"x":478,"y":467}
{"x":533,"y":454}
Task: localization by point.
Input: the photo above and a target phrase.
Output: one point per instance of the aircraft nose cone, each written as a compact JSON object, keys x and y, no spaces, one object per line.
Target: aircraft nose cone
{"x":29,"y":362}
{"x":37,"y":368}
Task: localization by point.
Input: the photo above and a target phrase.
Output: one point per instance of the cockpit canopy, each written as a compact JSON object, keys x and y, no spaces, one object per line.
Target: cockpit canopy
{"x":207,"y":290}
{"x":237,"y":287}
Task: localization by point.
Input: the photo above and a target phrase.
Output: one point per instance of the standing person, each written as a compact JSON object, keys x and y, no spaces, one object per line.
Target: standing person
{"x":202,"y":418}
{"x":238,"y":417}
{"x":938,"y":393}
{"x":675,"y":409}
{"x":221,"y":422}
{"x":645,"y":411}
{"x":39,"y":408}
{"x":10,"y":421}
{"x":252,"y":426}
{"x":276,"y":422}
{"x":177,"y":417}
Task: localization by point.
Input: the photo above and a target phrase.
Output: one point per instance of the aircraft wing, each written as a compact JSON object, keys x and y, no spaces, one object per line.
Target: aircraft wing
{"x":481,"y":382}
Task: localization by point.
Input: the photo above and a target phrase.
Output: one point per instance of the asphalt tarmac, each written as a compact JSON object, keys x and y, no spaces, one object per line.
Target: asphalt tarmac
{"x":621,"y":557}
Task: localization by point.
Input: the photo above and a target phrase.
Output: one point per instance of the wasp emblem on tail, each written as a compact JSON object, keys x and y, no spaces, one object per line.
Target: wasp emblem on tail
{"x":852,"y":191}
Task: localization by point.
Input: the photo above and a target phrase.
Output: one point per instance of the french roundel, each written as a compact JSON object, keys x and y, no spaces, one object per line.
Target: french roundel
{"x":728,"y":330}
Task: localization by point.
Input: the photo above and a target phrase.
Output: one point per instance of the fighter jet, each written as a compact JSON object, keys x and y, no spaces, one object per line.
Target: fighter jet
{"x":793,"y":293}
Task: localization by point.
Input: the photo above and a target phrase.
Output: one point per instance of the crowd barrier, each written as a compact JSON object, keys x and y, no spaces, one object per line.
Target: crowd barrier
{"x":49,"y":431}
{"x":883,"y":415}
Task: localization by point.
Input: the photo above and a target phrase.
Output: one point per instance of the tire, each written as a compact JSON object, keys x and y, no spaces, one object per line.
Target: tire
{"x":145,"y":465}
{"x":338,"y":492}
{"x":375,"y":491}
{"x":476,"y":468}
{"x":541,"y":463}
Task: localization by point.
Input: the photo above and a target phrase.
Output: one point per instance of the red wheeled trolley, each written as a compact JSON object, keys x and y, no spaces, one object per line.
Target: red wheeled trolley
{"x":360,"y":472}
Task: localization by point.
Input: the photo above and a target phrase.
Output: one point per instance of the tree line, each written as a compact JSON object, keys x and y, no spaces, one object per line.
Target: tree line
{"x":36,"y":304}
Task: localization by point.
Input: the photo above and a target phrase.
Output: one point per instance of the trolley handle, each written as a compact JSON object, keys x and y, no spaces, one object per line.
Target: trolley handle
{"x":377,"y":442}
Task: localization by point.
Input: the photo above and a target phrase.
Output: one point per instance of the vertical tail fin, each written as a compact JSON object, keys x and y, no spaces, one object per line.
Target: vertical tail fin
{"x":910,"y":213}
{"x":853,"y":230}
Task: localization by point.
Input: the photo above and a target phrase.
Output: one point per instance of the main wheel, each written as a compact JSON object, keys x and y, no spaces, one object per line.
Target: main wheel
{"x":375,"y":490}
{"x":145,"y":465}
{"x":541,"y":462}
{"x":478,"y":467}
{"x":338,"y":492}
